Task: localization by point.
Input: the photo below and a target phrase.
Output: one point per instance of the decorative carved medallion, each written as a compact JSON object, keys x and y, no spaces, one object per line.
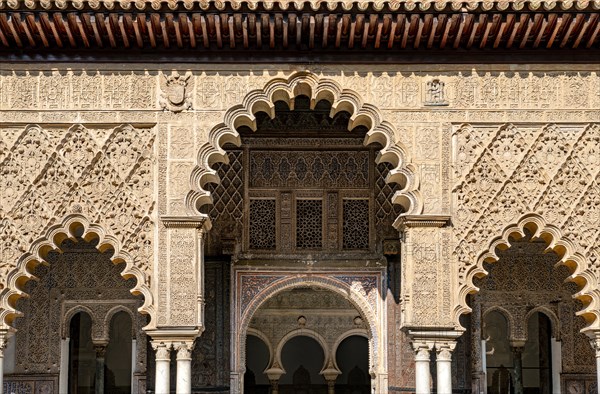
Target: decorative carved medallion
{"x":175,"y":95}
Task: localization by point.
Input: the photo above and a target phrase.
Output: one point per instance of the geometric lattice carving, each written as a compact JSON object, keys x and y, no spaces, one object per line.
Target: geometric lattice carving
{"x":385,"y":212}
{"x":309,"y":224}
{"x":309,"y":169}
{"x":228,"y":194}
{"x":507,"y":172}
{"x":356,"y":224}
{"x":262,"y":227}
{"x":104,"y":175}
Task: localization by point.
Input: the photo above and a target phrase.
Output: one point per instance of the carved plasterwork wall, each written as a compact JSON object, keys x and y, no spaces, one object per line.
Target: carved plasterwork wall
{"x":543,"y":177}
{"x":57,"y":178}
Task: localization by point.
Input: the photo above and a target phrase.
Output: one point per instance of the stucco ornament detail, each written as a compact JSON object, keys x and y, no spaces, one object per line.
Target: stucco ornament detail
{"x":175,"y":95}
{"x":308,"y":84}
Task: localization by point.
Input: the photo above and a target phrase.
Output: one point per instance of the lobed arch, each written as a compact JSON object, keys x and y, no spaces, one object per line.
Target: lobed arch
{"x":317,"y":89}
{"x":261,"y":335}
{"x":556,"y":242}
{"x":361,"y":332}
{"x":51,"y":241}
{"x":338,"y":287}
{"x":302,"y":332}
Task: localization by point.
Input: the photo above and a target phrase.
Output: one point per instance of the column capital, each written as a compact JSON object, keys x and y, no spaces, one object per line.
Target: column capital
{"x":444,"y":349}
{"x":422,"y":349}
{"x":162,"y":349}
{"x":100,"y":348}
{"x":184,"y":349}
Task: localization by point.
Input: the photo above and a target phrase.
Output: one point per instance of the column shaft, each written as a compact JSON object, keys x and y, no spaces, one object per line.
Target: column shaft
{"x":422,"y":374}
{"x":100,"y":354}
{"x":444,"y":367}
{"x":63,"y":379}
{"x":162,"y":384}
{"x":184,"y":367}
{"x":518,"y":369}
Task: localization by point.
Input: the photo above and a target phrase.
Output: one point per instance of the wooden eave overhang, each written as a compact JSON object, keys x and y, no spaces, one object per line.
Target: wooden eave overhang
{"x":349,"y":26}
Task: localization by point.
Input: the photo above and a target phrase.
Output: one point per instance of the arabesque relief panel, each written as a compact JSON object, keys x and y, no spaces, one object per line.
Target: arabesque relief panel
{"x":524,"y":131}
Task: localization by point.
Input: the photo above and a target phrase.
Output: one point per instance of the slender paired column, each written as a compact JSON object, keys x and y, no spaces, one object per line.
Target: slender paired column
{"x":595,"y":342}
{"x":184,"y":367}
{"x":162,"y":384}
{"x":517,"y":352}
{"x":444,"y":366}
{"x":100,"y":348}
{"x":422,"y":375}
{"x":3,"y":342}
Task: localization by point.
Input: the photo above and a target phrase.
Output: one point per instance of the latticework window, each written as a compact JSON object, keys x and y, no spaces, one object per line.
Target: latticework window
{"x":356,"y":224}
{"x":262,"y":224}
{"x":309,"y":224}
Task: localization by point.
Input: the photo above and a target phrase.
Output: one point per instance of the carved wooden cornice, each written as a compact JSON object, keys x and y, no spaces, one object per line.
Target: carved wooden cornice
{"x":377,"y":5}
{"x":62,"y":25}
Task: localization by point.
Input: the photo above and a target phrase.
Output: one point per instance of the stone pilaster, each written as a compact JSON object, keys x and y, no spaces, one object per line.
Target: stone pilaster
{"x":427,"y":273}
{"x":185,"y":261}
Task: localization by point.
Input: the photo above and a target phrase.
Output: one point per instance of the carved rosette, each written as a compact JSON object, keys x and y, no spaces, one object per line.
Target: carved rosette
{"x":175,"y":96}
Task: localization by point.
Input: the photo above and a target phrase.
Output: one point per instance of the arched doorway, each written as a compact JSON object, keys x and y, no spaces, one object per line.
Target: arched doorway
{"x":352,"y":359}
{"x":82,"y":297}
{"x":302,"y":357}
{"x":258,"y":358}
{"x":302,"y":189}
{"x":531,"y":339}
{"x":82,"y":357}
{"x":309,"y":325}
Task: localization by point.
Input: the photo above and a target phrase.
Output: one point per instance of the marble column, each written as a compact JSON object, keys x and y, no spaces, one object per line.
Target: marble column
{"x":63,"y":379}
{"x":3,"y":341}
{"x":184,"y":367}
{"x":595,"y":342}
{"x":422,"y":374}
{"x":517,"y":352}
{"x":478,"y":377}
{"x":100,"y":348}
{"x":162,"y":383}
{"x":444,"y":366}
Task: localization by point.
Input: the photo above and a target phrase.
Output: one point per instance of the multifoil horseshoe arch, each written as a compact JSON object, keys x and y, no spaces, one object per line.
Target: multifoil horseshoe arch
{"x":51,"y":241}
{"x":317,"y":89}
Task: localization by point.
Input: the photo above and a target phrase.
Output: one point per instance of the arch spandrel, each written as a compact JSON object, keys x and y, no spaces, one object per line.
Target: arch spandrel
{"x":72,"y":226}
{"x":286,"y":89}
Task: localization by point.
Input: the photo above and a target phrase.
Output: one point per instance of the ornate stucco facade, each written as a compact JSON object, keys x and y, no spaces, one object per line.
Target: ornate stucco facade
{"x":461,"y":191}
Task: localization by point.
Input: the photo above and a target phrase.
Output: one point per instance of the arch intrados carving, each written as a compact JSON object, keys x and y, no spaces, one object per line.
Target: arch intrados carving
{"x":66,"y":321}
{"x":359,"y":332}
{"x":303,"y":332}
{"x":286,"y":90}
{"x":69,"y":228}
{"x":261,"y":335}
{"x":557,"y":243}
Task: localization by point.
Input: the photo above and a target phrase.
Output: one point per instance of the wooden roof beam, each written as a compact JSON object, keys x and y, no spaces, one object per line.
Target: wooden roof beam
{"x":593,"y":36}
{"x":35,"y":24}
{"x":574,"y":25}
{"x":589,"y":22}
